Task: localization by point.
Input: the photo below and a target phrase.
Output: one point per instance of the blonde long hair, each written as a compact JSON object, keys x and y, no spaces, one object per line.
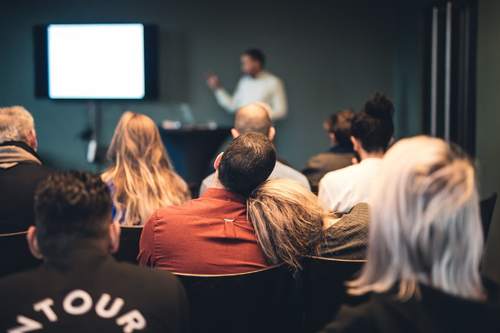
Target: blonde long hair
{"x":287,"y":219}
{"x":141,"y":175}
{"x":425,"y":223}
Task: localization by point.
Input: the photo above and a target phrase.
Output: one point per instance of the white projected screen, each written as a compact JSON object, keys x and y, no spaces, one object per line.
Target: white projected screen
{"x":96,"y":61}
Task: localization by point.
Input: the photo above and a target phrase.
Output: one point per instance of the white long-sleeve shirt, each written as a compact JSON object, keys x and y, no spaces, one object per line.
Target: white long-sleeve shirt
{"x":265,"y":87}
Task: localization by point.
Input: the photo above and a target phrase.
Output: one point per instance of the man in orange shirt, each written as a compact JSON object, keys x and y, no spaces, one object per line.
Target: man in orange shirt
{"x":211,"y":235}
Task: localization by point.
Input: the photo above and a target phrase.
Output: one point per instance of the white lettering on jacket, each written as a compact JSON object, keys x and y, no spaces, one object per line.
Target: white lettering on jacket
{"x":77,"y":310}
{"x":131,"y":321}
{"x":26,"y":325}
{"x":45,"y":307}
{"x":112,"y":311}
{"x":79,"y":302}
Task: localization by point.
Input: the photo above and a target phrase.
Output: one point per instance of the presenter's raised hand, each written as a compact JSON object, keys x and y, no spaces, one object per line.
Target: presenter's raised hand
{"x":213,"y":81}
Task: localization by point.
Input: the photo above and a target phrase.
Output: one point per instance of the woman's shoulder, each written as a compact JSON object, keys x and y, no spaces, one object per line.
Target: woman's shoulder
{"x":380,"y":313}
{"x":353,"y":319}
{"x":355,"y":221}
{"x":433,"y":311}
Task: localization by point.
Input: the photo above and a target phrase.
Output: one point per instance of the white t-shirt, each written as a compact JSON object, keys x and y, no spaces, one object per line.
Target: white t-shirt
{"x":342,"y":189}
{"x":265,"y":87}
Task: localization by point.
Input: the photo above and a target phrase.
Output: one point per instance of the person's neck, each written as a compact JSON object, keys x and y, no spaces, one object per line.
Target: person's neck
{"x":19,"y":143}
{"x":363,"y":154}
{"x":216,"y":183}
{"x":78,"y":247}
{"x":256,"y":74}
{"x":22,"y":145}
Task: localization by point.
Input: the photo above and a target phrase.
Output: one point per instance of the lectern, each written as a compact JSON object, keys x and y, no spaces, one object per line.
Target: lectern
{"x":192,"y":150}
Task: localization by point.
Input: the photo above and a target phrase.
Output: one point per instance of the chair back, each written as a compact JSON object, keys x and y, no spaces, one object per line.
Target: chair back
{"x":129,"y":244}
{"x":258,"y":301}
{"x":487,"y":208}
{"x":15,"y":255}
{"x":324,"y":289}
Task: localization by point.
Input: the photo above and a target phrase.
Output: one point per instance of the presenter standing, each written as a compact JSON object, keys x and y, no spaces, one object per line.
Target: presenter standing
{"x":256,"y":85}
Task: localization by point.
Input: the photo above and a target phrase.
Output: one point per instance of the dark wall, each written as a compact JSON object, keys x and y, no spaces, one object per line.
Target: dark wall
{"x":488,"y":119}
{"x":330,"y":55}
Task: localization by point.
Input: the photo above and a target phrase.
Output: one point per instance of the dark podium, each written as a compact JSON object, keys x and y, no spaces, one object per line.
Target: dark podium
{"x":192,"y":150}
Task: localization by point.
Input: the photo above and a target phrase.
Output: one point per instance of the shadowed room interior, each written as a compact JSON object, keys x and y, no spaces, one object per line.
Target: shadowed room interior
{"x":330,"y":55}
{"x":403,"y":73}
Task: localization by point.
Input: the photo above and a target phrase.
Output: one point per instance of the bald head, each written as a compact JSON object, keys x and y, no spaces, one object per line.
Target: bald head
{"x":254,"y":118}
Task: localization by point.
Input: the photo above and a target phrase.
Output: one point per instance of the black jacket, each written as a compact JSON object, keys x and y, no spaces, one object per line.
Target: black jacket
{"x":91,"y":292}
{"x":17,"y":187}
{"x":435,"y":312}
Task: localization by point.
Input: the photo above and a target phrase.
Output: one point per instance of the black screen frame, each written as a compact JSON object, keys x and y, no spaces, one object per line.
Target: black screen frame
{"x":40,"y":60}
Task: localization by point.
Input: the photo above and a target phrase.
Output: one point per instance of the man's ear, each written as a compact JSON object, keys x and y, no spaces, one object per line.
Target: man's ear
{"x":326,"y":126}
{"x":114,"y":237}
{"x":217,"y":161}
{"x":356,"y":144}
{"x":333,"y":138}
{"x":33,"y":243}
{"x":32,"y":140}
{"x":271,"y":134}
{"x":234,"y":133}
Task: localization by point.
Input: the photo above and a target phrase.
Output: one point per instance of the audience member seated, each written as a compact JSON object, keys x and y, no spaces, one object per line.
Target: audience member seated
{"x":80,"y":287}
{"x":425,"y":247}
{"x":21,"y":169}
{"x":255,"y":118}
{"x":212,"y":235}
{"x":341,"y":152}
{"x":372,"y":130}
{"x":288,"y":221}
{"x":141,"y":175}
{"x":346,"y":236}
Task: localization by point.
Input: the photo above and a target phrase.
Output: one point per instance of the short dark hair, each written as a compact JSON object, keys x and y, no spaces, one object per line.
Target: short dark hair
{"x":257,"y":55}
{"x":247,"y":163}
{"x":374,"y":126}
{"x":339,"y":124}
{"x":71,"y":206}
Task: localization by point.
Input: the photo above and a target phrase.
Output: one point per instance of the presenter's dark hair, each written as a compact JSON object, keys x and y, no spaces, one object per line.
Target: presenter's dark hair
{"x":339,"y":124}
{"x":247,"y":163}
{"x":374,"y":126}
{"x":71,"y":207}
{"x":257,"y":55}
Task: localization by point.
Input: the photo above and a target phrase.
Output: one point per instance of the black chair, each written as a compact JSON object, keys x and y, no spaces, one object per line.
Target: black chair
{"x":259,"y":301}
{"x":129,"y":244}
{"x":324,"y":290}
{"x":487,"y":208}
{"x":15,"y":255}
